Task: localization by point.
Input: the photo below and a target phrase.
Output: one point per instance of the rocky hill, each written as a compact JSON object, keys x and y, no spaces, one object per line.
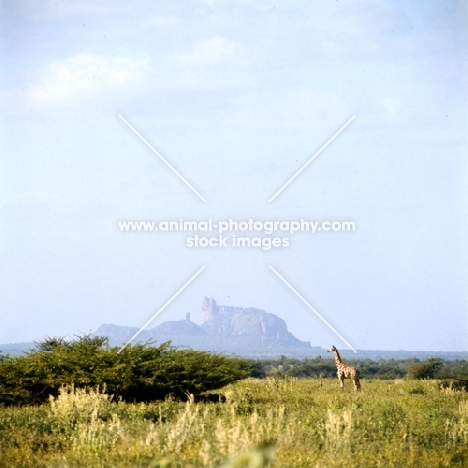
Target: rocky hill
{"x":255,"y":325}
{"x":224,"y":329}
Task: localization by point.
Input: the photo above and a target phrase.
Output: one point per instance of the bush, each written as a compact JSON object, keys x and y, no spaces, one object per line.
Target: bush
{"x":139,"y":373}
{"x":425,"y":370}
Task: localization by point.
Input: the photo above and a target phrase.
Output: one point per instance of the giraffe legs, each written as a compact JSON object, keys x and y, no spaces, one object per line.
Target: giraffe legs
{"x":355,"y":379}
{"x":341,"y":379}
{"x":357,"y":385}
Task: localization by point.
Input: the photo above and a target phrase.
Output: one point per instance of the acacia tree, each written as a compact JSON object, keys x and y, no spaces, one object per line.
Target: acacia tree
{"x":140,"y":373}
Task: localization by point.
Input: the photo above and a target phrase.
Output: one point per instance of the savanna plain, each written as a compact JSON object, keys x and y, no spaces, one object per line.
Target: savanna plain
{"x":277,"y":422}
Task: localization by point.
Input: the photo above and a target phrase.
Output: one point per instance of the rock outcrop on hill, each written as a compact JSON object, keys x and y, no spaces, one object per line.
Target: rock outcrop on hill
{"x":224,"y":329}
{"x":256,"y":324}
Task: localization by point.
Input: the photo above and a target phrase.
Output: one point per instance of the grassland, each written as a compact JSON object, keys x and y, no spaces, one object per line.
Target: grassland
{"x":392,"y":423}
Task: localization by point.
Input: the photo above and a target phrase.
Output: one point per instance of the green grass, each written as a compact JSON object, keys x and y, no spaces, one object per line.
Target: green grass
{"x":313,"y":424}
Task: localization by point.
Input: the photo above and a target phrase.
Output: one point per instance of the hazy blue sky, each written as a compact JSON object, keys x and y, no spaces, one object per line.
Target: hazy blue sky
{"x":237,"y":96}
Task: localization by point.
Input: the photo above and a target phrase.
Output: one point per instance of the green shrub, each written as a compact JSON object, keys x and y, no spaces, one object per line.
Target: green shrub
{"x":139,"y":373}
{"x":425,"y":370}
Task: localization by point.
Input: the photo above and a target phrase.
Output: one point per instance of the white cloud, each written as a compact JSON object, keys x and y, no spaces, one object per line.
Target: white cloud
{"x":84,"y":76}
{"x":211,"y":64}
{"x":208,"y":52}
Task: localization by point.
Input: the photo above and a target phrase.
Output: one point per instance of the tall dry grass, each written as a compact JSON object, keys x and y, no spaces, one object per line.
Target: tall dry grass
{"x":290,"y":422}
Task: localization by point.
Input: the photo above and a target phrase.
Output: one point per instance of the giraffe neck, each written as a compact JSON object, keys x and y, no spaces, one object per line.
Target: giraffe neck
{"x":338,"y":359}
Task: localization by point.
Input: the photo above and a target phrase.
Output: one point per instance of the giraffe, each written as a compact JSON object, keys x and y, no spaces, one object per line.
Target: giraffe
{"x":344,"y":371}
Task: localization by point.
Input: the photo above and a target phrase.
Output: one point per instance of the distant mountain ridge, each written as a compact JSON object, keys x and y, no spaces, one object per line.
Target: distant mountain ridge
{"x":247,"y":332}
{"x":224,"y":329}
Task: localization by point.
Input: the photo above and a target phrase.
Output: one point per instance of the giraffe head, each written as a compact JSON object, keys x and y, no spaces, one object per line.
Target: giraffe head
{"x":332,"y":349}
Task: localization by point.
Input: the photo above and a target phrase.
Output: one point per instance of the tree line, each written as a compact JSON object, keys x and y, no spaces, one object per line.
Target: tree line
{"x":145,"y":372}
{"x":319,"y":367}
